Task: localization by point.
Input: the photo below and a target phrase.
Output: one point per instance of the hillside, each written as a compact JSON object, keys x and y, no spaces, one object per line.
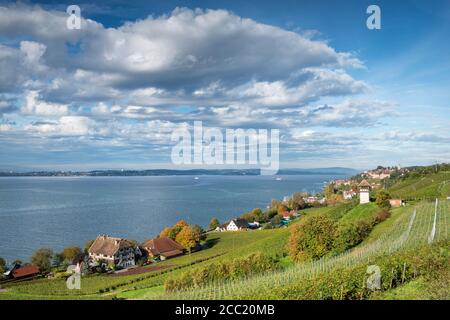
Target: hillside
{"x":417,"y":187}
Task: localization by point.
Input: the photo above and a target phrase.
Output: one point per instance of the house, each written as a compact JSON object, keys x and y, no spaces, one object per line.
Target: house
{"x":364,"y":189}
{"x":24,"y":272}
{"x":341,"y":182}
{"x":112,"y":251}
{"x":349,"y":194}
{"x":396,"y":202}
{"x":288,"y":215}
{"x":162,"y":247}
{"x":237,"y":224}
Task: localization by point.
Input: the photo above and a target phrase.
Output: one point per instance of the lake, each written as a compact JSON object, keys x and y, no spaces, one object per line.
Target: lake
{"x":59,"y":211}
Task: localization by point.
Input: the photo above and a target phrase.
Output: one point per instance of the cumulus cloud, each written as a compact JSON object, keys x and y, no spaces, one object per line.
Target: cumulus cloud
{"x":34,"y":106}
{"x":132,"y":85}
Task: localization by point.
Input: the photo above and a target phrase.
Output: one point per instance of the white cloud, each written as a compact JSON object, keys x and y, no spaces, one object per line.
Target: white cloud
{"x":34,"y":106}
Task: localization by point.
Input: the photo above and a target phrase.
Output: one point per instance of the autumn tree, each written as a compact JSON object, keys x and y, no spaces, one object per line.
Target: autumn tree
{"x":42,"y":258}
{"x":188,"y":237}
{"x":214,"y":223}
{"x":165,"y":232}
{"x":297,"y":201}
{"x":69,"y":253}
{"x":282,"y":208}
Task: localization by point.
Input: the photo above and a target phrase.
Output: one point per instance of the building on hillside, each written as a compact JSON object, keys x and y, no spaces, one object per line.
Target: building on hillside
{"x":396,"y":203}
{"x":234,"y":225}
{"x":237,"y":224}
{"x":364,"y":190}
{"x":162,"y":247}
{"x":349,"y":194}
{"x":24,"y":272}
{"x":341,"y":182}
{"x":113,"y":251}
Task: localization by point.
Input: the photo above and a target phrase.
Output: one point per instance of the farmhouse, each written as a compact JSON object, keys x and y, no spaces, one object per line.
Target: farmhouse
{"x":234,"y":225}
{"x":162,"y":247}
{"x":237,"y":224}
{"x":112,"y":251}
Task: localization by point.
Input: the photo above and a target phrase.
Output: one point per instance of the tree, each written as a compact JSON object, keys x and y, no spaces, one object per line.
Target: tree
{"x":165,"y":232}
{"x":17,"y":262}
{"x":382,"y":199}
{"x":199,"y":230}
{"x":282,"y":208}
{"x":176,"y":228}
{"x":2,"y":265}
{"x":87,"y":245}
{"x":188,"y":237}
{"x":214,"y":223}
{"x":297,"y":202}
{"x":276,"y":220}
{"x":57,"y":259}
{"x":42,"y":258}
{"x":312,"y":238}
{"x":69,"y":253}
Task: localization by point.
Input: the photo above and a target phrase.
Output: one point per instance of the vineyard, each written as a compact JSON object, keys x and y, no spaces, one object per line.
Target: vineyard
{"x":424,"y":224}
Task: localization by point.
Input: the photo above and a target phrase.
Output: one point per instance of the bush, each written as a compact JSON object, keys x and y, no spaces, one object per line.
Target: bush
{"x":312,"y":238}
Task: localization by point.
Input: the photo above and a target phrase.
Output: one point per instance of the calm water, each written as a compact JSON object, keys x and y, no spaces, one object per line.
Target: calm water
{"x":55,"y":212}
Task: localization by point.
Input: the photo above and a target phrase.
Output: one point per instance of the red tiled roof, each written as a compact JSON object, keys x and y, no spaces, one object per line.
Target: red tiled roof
{"x":26,"y":271}
{"x":162,"y":245}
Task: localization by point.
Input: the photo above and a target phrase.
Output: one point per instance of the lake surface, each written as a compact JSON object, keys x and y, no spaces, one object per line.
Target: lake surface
{"x":59,"y":211}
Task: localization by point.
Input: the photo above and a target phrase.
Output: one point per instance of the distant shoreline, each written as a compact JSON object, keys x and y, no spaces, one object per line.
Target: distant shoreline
{"x":170,"y":172}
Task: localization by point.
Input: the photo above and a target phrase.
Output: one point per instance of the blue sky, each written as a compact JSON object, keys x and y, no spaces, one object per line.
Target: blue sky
{"x":109,"y":95}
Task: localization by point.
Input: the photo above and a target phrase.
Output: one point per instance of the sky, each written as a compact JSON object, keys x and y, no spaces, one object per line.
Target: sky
{"x":110,"y":94}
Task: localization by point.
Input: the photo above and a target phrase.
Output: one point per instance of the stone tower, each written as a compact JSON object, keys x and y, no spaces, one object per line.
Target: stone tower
{"x":364,"y":189}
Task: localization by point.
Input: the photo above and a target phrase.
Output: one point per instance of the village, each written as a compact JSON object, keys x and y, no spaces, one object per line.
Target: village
{"x":116,"y":255}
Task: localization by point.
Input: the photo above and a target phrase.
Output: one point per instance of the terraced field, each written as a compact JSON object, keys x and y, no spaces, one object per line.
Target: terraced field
{"x":412,"y":228}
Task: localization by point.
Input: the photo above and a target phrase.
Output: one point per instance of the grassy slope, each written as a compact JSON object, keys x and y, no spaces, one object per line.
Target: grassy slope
{"x":360,"y":212}
{"x":427,"y":187}
{"x":229,"y":244}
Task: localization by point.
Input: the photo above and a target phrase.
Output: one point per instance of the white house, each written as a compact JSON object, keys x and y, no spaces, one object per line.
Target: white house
{"x":364,"y":189}
{"x":348,"y":194}
{"x":112,"y":251}
{"x":237,"y":224}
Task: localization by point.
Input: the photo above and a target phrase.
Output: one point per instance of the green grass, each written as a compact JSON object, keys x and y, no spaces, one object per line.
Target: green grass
{"x":360,"y":212}
{"x":228,"y":244}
